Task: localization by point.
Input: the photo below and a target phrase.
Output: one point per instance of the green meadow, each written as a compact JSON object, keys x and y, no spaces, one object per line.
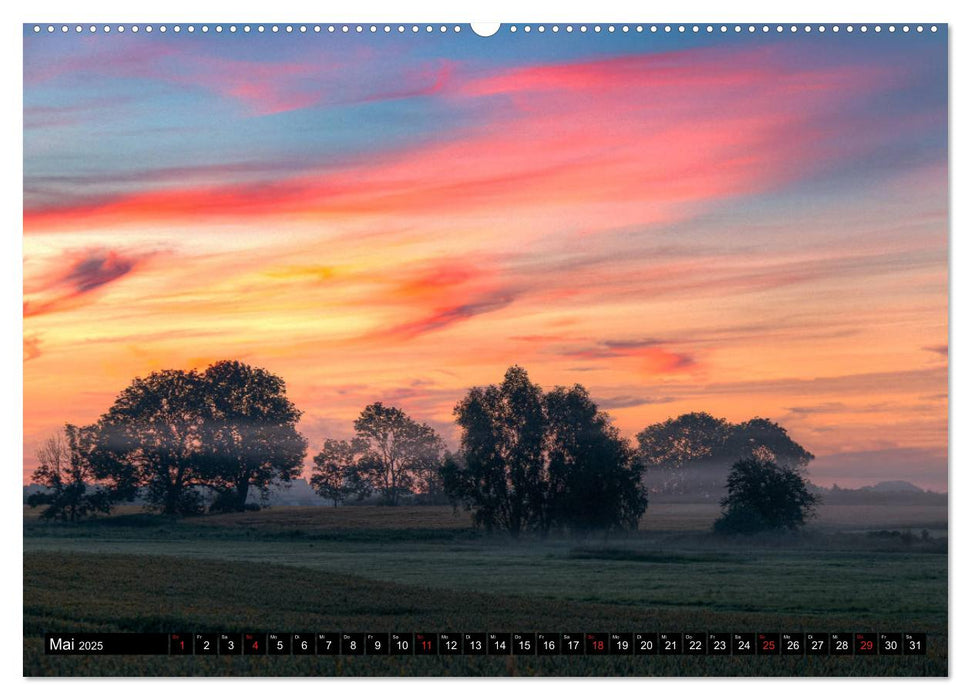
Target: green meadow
{"x":374,"y":569}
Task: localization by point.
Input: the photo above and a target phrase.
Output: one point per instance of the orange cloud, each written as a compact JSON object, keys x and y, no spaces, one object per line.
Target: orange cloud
{"x":31,"y":348}
{"x":650,"y":354}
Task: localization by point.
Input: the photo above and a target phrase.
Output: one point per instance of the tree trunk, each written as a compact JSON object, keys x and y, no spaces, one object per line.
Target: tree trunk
{"x":242,"y":491}
{"x":171,"y":500}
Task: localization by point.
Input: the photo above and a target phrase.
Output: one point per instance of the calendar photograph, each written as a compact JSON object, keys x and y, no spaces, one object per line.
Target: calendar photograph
{"x":610,"y":350}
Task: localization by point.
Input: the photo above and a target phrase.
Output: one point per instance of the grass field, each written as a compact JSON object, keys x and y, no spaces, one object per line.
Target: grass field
{"x":412,"y":569}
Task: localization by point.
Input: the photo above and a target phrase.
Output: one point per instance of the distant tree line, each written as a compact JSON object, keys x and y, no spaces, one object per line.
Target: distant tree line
{"x":528,"y":461}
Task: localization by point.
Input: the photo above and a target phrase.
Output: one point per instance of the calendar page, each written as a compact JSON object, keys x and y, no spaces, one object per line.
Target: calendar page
{"x":485,"y":350}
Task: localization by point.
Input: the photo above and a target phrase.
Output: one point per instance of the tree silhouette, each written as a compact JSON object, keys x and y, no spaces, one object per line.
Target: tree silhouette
{"x":500,"y":467}
{"x":177,"y":432}
{"x":594,"y":478}
{"x":250,"y":436}
{"x":153,"y":437}
{"x":66,"y":472}
{"x":760,"y":438}
{"x":335,"y":472}
{"x":692,"y":453}
{"x":391,"y":454}
{"x":764,"y":496}
{"x":536,"y":462}
{"x":666,"y":449}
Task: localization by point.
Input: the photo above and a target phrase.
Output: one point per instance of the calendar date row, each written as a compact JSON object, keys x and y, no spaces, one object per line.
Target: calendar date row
{"x":494,"y":643}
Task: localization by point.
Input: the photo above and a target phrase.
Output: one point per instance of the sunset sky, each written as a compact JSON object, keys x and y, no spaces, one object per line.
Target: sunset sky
{"x":739,"y":224}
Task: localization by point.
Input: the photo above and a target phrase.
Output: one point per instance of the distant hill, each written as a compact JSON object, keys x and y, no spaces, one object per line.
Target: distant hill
{"x":882,"y":493}
{"x":893,"y":487}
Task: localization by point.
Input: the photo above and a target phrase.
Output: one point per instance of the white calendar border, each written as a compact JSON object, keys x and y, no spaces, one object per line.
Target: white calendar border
{"x":603,"y":11}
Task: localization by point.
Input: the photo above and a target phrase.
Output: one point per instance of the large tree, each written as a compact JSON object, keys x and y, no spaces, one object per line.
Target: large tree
{"x":499,"y":471}
{"x":153,"y":437}
{"x":65,"y":470}
{"x":538,"y":462}
{"x":763,"y":495}
{"x":594,"y":478}
{"x":250,"y":432}
{"x":176,"y":433}
{"x":760,"y":438}
{"x":669,"y":448}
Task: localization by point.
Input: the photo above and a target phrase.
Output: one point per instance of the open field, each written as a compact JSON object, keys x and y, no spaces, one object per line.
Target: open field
{"x":659,"y":517}
{"x":325,"y":569}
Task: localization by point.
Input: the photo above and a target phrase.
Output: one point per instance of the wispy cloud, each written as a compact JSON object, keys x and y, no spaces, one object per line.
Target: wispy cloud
{"x":615,"y":402}
{"x":73,"y":283}
{"x":653,"y":354}
{"x":649,"y":143}
{"x":447,"y":316}
{"x":31,"y":348}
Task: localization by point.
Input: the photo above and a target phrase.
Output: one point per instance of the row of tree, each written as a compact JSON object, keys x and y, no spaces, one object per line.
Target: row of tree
{"x":528,"y":460}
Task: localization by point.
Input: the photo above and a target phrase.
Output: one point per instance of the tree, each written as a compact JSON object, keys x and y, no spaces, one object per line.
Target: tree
{"x":690,"y":437}
{"x":760,"y":438}
{"x":764,"y":496}
{"x":500,"y":469}
{"x":65,"y":470}
{"x":391,"y":454}
{"x":535,"y":462}
{"x":693,"y":452}
{"x":175,"y":433}
{"x":594,"y":478}
{"x":152,"y":437}
{"x":335,"y":472}
{"x":667,"y":449}
{"x":250,"y":437}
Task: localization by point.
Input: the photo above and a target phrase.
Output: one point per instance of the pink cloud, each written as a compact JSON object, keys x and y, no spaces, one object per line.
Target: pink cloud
{"x":648,"y":139}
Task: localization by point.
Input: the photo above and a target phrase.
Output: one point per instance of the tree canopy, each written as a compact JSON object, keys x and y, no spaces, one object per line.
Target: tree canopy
{"x":763,"y":495}
{"x":694,"y":451}
{"x":175,"y":433}
{"x":335,"y":475}
{"x":594,"y":479}
{"x":535,"y":462}
{"x":391,"y":454}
